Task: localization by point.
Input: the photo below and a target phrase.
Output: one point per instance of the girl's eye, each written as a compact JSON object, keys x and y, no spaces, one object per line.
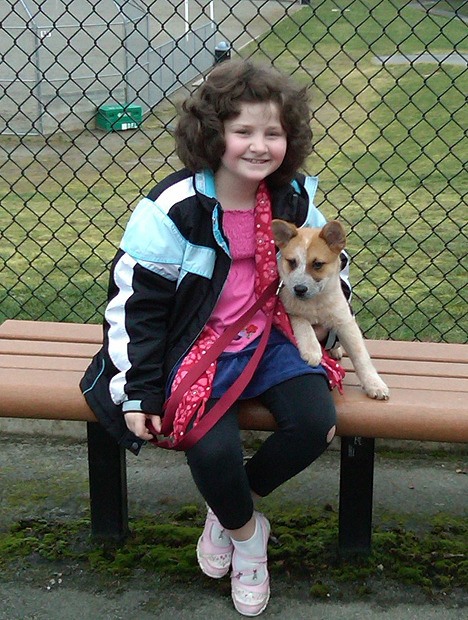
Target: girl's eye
{"x":292,"y":262}
{"x":317,"y":265}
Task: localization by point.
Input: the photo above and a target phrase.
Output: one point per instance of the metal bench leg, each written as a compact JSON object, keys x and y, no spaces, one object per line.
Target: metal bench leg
{"x":356,"y":490}
{"x":107,"y":485}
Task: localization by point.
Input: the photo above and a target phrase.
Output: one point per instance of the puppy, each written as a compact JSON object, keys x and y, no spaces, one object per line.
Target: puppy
{"x":309,"y":267}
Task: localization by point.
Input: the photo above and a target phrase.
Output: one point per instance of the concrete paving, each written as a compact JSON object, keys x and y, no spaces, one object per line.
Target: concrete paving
{"x":43,"y":477}
{"x":460,"y":60}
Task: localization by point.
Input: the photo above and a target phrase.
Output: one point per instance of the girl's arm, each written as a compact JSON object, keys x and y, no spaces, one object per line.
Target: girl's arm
{"x":141,"y":295}
{"x":136,"y":317}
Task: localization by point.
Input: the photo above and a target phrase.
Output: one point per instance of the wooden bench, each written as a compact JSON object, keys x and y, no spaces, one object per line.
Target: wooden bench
{"x":41,"y":364}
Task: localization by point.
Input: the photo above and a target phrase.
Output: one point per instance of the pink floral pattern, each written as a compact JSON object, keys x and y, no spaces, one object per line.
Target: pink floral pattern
{"x":249,"y":331}
{"x":194,"y":400}
{"x":335,"y":372}
{"x":265,"y":260}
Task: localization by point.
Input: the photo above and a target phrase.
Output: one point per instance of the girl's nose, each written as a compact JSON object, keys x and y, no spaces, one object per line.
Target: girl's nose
{"x":257,"y":144}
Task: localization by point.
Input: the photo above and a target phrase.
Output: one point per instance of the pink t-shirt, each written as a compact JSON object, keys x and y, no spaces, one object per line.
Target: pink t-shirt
{"x":239,"y":290}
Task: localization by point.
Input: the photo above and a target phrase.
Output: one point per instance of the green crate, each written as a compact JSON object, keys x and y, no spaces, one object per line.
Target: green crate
{"x":116,"y":117}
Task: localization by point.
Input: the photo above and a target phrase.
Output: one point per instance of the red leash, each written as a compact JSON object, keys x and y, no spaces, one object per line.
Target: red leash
{"x":190,"y":437}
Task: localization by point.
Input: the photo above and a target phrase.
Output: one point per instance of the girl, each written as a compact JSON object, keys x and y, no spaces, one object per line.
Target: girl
{"x":196,"y":254}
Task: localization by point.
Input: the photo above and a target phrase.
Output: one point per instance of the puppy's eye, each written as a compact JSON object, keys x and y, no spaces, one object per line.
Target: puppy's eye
{"x":317,"y":265}
{"x":292,"y":262}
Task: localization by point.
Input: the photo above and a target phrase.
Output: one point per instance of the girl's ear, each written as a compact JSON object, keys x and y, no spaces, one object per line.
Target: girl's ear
{"x":283,"y":232}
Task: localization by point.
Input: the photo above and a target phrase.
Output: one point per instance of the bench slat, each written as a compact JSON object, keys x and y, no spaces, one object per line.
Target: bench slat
{"x":44,"y":362}
{"x":79,"y":364}
{"x":438,"y":370}
{"x":411,"y":382}
{"x":43,"y":394}
{"x":73,"y":332}
{"x":85,"y":351}
{"x":13,"y":329}
{"x":47,"y":348}
{"x":424,"y":415}
{"x":418,"y":351}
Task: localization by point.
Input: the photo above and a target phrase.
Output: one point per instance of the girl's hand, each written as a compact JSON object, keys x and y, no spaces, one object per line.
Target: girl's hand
{"x":136,"y":422}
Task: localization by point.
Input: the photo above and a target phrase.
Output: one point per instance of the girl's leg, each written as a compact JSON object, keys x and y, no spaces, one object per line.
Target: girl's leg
{"x":305,"y":414}
{"x":217,"y":466}
{"x":216,"y":463}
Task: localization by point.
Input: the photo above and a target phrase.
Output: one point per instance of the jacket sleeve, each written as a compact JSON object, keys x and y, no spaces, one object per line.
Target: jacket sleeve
{"x":316,"y":219}
{"x":332,"y":339}
{"x":142,"y":288}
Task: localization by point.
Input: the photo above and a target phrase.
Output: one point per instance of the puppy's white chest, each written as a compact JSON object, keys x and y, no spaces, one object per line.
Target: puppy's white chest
{"x":311,"y":309}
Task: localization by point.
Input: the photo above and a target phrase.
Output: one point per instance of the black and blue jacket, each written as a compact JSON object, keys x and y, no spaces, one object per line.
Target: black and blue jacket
{"x":165,"y":281}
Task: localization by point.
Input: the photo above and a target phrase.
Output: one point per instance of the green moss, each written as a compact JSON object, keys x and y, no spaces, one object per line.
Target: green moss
{"x":42,"y":490}
{"x":304,"y":546}
{"x":49,"y":540}
{"x":320,"y":590}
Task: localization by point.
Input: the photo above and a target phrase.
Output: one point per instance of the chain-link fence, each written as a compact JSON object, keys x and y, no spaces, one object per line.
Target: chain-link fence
{"x":88,"y":95}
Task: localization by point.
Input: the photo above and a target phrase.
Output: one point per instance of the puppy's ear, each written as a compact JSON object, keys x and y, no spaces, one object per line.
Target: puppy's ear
{"x":334,"y":236}
{"x":283,"y":232}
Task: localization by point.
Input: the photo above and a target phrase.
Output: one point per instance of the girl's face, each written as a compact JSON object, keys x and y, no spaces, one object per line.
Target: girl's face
{"x":255,"y":144}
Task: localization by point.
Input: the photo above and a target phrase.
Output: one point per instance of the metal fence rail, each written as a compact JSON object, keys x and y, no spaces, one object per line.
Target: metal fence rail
{"x":388,"y":82}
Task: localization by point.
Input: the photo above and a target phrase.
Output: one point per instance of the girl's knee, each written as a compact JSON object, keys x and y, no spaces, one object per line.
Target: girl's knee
{"x":317,"y":424}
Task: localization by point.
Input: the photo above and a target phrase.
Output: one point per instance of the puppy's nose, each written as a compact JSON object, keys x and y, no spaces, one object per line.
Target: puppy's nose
{"x":300,"y":290}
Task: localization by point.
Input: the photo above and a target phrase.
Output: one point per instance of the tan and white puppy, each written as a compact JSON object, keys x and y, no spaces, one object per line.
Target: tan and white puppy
{"x":309,"y":267}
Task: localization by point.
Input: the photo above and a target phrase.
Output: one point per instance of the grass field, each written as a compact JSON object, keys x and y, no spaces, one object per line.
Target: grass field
{"x":461,"y":6}
{"x":389,"y":149}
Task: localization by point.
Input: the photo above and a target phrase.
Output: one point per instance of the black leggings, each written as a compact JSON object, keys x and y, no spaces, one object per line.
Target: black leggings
{"x":304,"y":412}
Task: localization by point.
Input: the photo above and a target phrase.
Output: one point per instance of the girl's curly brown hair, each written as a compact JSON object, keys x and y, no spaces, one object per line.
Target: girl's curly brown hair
{"x":200,"y":131}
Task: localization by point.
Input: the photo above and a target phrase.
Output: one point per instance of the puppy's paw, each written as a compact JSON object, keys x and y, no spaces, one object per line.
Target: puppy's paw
{"x":337,"y":352}
{"x":312,"y":354}
{"x":376,"y":388}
